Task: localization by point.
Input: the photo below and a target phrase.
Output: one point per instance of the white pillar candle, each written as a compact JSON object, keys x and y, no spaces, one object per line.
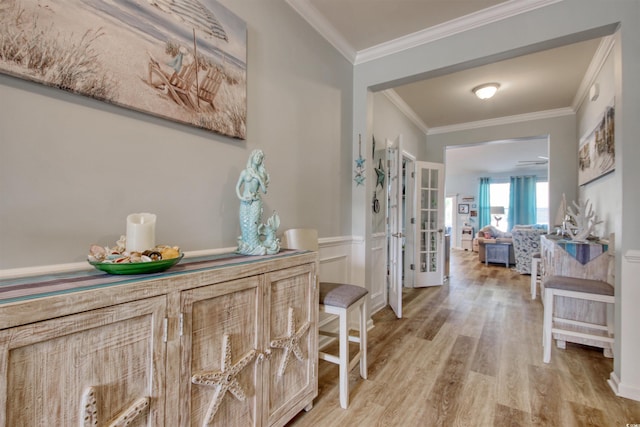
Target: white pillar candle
{"x":141,"y":232}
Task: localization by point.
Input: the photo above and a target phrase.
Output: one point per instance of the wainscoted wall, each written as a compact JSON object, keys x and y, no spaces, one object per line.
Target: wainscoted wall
{"x":626,"y":383}
{"x":335,"y":254}
{"x":336,"y":265}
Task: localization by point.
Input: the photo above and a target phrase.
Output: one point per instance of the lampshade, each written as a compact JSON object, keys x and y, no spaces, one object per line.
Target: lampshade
{"x":486,"y":91}
{"x":497,"y":210}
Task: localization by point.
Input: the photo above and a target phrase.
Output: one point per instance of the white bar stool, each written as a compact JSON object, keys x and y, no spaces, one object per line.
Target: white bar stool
{"x":338,"y":299}
{"x":573,"y":287}
{"x":342,"y":299}
{"x":535,"y":265}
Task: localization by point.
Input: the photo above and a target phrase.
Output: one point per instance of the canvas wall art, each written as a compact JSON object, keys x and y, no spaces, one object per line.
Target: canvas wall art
{"x":597,"y":149}
{"x":183,"y":60}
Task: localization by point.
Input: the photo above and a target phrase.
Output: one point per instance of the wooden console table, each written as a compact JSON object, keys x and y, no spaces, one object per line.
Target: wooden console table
{"x":223,"y":340}
{"x":592,"y":260}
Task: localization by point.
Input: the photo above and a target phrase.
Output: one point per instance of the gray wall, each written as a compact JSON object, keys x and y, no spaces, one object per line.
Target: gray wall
{"x":603,"y":193}
{"x":72,"y":168}
{"x":388,"y":123}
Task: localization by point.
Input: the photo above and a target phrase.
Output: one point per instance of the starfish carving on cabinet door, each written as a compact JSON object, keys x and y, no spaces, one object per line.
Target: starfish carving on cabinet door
{"x":90,"y":416}
{"x":291,"y":342}
{"x":223,"y":380}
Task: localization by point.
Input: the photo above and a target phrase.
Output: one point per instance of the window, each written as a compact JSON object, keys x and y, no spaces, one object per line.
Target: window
{"x":500,"y":197}
{"x":542,"y":203}
{"x":448,"y":214}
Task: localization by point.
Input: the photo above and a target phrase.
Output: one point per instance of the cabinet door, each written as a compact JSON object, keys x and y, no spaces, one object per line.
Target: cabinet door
{"x":291,"y":333}
{"x":220,"y":349}
{"x":87,"y":369}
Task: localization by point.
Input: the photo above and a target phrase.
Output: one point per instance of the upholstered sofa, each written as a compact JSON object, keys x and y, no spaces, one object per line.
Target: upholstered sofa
{"x":490,"y":234}
{"x":524,"y":239}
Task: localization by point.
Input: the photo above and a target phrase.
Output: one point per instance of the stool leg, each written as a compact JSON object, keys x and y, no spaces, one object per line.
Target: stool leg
{"x":547,"y":325}
{"x":363,"y":339}
{"x":534,"y":277}
{"x":344,"y":360}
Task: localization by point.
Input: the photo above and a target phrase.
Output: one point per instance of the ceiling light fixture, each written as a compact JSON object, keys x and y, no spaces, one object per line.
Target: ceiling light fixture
{"x":486,"y":90}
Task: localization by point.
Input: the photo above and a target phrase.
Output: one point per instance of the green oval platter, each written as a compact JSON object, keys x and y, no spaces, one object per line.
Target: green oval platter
{"x":137,"y":267}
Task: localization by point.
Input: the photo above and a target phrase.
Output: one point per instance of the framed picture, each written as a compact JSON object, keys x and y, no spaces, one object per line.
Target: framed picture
{"x":463,"y":208}
{"x":182,"y":61}
{"x":596,"y":155}
{"x":473,"y":213}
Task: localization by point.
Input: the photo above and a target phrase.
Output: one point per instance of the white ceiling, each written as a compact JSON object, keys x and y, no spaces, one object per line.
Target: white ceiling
{"x":547,"y":82}
{"x":498,"y":157}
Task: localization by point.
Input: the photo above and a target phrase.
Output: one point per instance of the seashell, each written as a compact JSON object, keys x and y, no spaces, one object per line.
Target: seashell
{"x":169,"y":252}
{"x":122,"y":260}
{"x":121,"y":243}
{"x":154,"y":255}
{"x":97,"y":253}
{"x":145,"y":258}
{"x":135,"y":257}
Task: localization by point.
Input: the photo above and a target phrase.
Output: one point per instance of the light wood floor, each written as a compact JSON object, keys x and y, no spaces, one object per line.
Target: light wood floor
{"x":469,"y":353}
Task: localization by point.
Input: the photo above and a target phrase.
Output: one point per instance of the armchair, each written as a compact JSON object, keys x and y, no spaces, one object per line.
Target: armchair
{"x":526,"y":243}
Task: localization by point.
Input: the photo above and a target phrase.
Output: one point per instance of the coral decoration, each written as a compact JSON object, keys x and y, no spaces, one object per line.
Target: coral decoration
{"x":583,"y":220}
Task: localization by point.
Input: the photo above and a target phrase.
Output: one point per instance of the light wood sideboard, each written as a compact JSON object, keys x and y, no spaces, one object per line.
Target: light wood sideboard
{"x":222,"y":340}
{"x":557,"y":261}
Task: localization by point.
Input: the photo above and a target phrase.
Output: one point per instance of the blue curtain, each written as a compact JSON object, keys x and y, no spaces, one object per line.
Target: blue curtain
{"x":484,"y":203}
{"x":522,"y":201}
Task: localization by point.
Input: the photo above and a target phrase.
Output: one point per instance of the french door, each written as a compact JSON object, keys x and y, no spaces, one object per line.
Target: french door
{"x":394,"y":226}
{"x":430,"y":246}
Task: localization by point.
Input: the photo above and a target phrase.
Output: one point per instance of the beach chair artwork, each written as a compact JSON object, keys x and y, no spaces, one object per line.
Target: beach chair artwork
{"x":183,"y":85}
{"x":184,"y":60}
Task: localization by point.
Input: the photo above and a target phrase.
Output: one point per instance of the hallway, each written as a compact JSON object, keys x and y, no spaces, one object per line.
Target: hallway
{"x":469,"y":353}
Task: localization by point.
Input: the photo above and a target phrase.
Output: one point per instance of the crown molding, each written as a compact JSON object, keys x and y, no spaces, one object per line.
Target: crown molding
{"x":404,"y":108}
{"x":599,"y":58}
{"x":324,"y":27}
{"x":455,"y":26}
{"x":486,"y":16}
{"x":506,"y":120}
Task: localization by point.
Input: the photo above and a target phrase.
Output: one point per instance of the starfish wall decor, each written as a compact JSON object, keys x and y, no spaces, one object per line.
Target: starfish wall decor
{"x":291,"y":342}
{"x":360,"y":170}
{"x":379,"y":174}
{"x":223,"y":380}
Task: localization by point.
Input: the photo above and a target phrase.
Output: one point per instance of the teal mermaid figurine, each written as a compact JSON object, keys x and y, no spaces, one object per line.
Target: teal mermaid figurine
{"x":256,"y":238}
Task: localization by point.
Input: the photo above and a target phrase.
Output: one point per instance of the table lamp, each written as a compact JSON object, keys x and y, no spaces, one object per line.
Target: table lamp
{"x":497,"y":212}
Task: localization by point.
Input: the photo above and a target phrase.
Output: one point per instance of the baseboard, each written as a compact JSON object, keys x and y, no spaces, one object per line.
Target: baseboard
{"x":622,"y":390}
